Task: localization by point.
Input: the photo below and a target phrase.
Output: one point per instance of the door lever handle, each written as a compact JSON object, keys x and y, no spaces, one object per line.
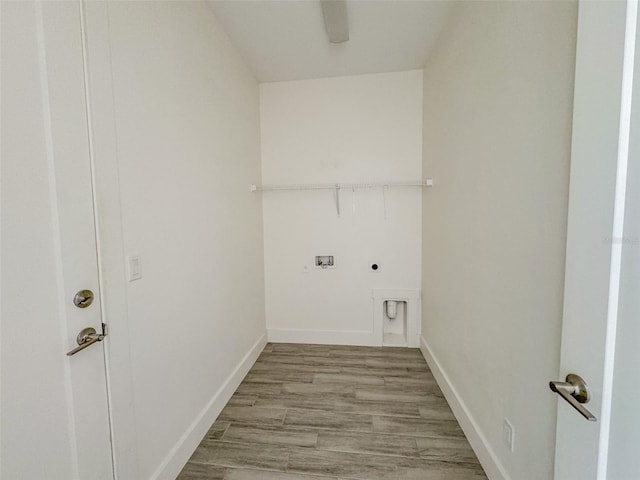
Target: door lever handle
{"x":87,"y":337}
{"x":575,"y":391}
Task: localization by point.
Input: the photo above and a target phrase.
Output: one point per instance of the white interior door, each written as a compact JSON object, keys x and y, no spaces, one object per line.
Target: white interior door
{"x":54,"y":410}
{"x":603,"y":102}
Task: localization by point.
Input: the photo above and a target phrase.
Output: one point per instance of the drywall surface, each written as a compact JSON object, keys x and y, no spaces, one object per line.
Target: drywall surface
{"x":497,"y":127}
{"x":187,"y":120}
{"x":344,"y":129}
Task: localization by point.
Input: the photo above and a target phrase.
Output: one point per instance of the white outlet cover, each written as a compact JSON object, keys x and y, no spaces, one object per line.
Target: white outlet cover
{"x":134,"y":267}
{"x":508,"y":434}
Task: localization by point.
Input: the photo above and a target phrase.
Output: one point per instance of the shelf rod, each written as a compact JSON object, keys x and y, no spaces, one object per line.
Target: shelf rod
{"x":336,"y":186}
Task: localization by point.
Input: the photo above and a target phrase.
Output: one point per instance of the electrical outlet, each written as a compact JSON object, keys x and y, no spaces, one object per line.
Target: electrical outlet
{"x":508,"y":434}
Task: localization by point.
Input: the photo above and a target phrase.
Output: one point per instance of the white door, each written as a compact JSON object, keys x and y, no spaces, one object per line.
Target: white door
{"x":54,"y":417}
{"x":607,"y":55}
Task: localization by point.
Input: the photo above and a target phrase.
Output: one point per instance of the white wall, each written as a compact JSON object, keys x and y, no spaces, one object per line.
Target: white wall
{"x":344,"y":129}
{"x":187,"y":121}
{"x":497,"y":125}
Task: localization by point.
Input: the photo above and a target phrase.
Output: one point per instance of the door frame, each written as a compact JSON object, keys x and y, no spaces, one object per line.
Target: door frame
{"x":55,"y":401}
{"x":111,"y":254}
{"x":605,"y":57}
{"x":94,"y":19}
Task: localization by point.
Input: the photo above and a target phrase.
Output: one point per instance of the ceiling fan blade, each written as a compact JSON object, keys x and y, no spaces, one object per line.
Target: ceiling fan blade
{"x":336,"y":22}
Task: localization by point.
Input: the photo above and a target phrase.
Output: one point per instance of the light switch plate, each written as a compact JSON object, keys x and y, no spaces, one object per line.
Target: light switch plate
{"x":134,"y":267}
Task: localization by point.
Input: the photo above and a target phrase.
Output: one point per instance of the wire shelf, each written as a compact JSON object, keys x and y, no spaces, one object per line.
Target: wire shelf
{"x":339,"y":186}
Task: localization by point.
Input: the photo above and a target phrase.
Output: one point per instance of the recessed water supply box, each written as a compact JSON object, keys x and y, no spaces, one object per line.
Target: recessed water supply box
{"x":324,"y":261}
{"x":394,"y":323}
{"x":396,"y":317}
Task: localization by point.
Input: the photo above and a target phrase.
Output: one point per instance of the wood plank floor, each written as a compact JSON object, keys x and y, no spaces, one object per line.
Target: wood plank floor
{"x":324,"y":412}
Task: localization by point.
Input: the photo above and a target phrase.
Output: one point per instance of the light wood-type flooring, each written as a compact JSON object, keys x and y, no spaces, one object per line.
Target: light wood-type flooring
{"x":325,"y":412}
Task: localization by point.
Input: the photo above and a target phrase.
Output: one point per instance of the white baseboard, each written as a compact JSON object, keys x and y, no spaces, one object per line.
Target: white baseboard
{"x":323,"y":337}
{"x":488,"y":458}
{"x":185,"y":446}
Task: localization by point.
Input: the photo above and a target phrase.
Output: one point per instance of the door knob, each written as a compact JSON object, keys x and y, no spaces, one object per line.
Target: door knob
{"x":575,"y":391}
{"x":83,"y":298}
{"x":87,"y":337}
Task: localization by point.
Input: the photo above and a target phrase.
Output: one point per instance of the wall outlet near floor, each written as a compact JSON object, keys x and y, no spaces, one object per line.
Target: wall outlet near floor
{"x":508,"y":434}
